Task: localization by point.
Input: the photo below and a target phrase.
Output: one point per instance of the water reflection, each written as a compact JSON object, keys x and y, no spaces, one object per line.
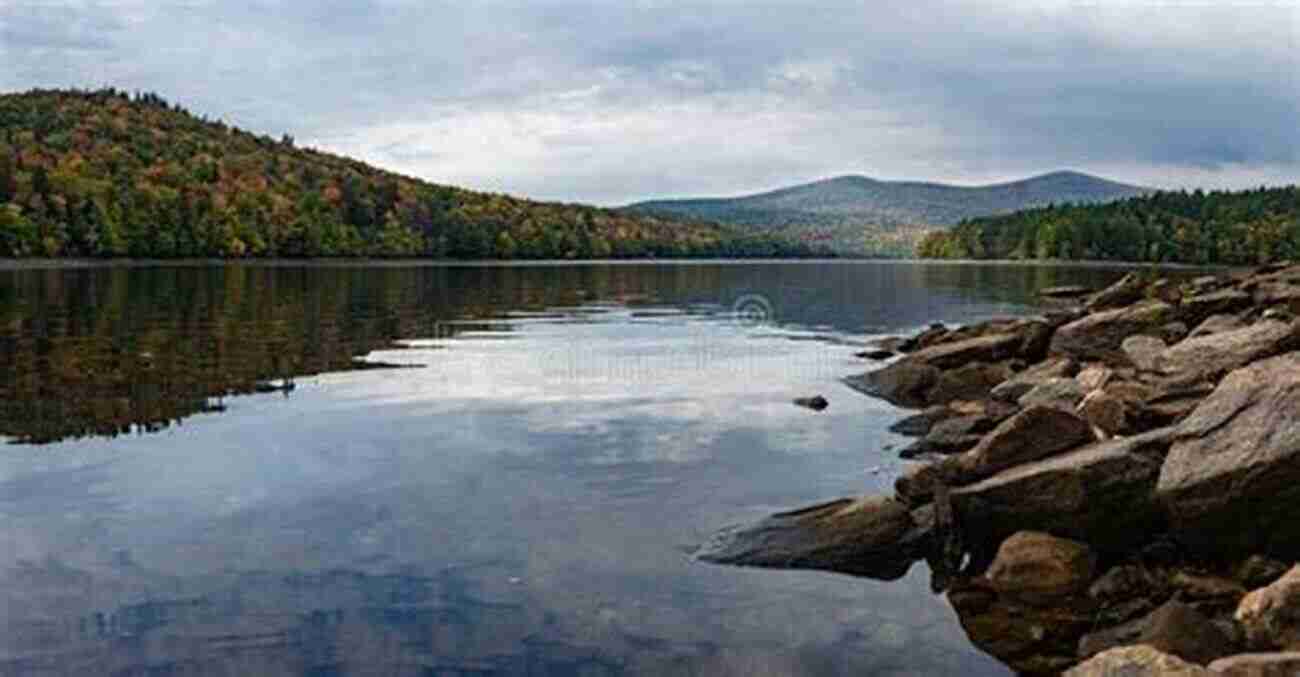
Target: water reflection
{"x":111,"y":350}
{"x":519,"y":505}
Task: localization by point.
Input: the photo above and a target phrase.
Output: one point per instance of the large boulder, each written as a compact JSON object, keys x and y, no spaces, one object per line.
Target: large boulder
{"x":1271,"y":615}
{"x":1033,"y":639}
{"x":1031,"y":434}
{"x":874,"y":537}
{"x":904,"y":383}
{"x":1036,"y":567}
{"x":1101,"y":494}
{"x":1036,"y":432}
{"x":1137,"y":661}
{"x":987,"y":348}
{"x":968,"y":382}
{"x":1099,"y":336}
{"x":1231,"y":482}
{"x":1209,"y":357}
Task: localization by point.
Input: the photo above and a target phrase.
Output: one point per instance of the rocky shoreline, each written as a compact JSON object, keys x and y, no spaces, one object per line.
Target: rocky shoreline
{"x":1110,"y":488}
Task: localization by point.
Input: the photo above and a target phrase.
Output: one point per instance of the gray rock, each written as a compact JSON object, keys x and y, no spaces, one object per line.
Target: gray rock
{"x":1099,"y":336}
{"x":1231,"y":482}
{"x":1143,"y":351}
{"x":1037,"y":432}
{"x":1101,"y":494}
{"x":904,"y":383}
{"x":1209,"y":357}
{"x":989,"y":348}
{"x":874,"y":537}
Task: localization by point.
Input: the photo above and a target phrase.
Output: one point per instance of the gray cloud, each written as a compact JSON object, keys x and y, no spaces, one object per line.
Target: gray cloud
{"x":613,"y":101}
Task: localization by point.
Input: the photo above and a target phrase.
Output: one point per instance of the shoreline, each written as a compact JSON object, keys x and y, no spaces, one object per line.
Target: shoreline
{"x":75,"y":263}
{"x":1122,"y":470}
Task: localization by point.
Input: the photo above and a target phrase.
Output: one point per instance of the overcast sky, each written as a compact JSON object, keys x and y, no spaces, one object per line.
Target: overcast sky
{"x":612,"y":101}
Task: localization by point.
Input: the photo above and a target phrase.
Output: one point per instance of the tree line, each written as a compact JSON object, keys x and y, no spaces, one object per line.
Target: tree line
{"x":107,"y":173}
{"x":1217,"y":227}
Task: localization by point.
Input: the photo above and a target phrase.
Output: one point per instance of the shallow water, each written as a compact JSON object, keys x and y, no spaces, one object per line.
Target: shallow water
{"x":522,"y":500}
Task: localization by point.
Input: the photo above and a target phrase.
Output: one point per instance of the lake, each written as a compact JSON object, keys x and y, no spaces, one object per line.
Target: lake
{"x":455,"y":469}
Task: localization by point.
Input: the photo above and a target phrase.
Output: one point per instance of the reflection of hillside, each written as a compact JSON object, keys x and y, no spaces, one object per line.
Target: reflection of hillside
{"x":113,"y":350}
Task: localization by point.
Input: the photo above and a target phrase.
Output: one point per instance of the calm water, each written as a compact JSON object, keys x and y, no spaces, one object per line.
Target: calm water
{"x":522,"y":500}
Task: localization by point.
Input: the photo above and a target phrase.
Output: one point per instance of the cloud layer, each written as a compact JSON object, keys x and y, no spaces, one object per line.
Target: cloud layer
{"x":615,"y":101}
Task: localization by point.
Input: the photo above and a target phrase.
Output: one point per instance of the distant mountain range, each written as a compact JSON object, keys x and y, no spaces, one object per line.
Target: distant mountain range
{"x":864,"y":215}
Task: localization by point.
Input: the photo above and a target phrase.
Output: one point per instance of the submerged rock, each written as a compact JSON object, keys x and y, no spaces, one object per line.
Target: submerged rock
{"x":816,"y":402}
{"x":873,"y":537}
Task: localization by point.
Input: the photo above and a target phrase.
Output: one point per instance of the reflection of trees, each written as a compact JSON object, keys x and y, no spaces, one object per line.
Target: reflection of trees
{"x":111,"y":350}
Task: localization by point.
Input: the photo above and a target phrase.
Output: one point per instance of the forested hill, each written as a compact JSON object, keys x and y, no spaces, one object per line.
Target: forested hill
{"x":105,"y":173}
{"x":864,"y":214}
{"x":1220,"y":227}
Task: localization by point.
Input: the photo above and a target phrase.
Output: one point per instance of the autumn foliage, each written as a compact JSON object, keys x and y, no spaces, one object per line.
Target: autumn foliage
{"x":107,"y":174}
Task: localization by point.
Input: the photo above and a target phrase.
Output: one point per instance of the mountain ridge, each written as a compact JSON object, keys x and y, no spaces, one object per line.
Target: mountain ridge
{"x":862,"y":214}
